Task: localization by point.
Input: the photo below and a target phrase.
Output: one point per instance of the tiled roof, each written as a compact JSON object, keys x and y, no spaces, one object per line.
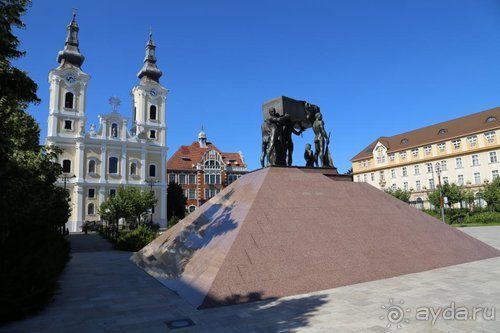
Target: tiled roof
{"x":186,"y":157}
{"x":474,"y":123}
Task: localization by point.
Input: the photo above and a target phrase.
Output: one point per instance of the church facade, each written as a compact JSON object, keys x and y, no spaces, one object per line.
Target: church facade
{"x":115,"y":153}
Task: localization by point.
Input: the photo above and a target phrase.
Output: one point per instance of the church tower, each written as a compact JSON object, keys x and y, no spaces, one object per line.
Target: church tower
{"x":149,"y":97}
{"x":68,"y":90}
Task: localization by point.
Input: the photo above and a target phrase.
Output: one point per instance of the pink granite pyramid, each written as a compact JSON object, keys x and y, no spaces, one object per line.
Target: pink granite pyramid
{"x":284,"y":231}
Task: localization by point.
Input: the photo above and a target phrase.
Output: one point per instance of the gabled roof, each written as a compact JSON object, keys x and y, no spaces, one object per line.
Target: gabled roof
{"x":459,"y":127}
{"x":187,"y":156}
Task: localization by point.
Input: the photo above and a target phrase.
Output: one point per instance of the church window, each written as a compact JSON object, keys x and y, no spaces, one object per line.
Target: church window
{"x":66,"y":166}
{"x":68,"y":125}
{"x":68,"y":100}
{"x":113,"y":165}
{"x":92,"y":166}
{"x":152,"y":112}
{"x":152,"y":134}
{"x":152,"y":170}
{"x":91,"y":209}
{"x":91,"y":193}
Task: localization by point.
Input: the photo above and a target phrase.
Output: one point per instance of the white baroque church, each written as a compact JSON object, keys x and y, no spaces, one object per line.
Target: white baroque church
{"x":115,"y":153}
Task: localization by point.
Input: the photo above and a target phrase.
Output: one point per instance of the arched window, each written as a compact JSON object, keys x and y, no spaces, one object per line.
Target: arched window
{"x":420,"y":203}
{"x":152,"y":112}
{"x":68,"y":100}
{"x":66,"y":166}
{"x":90,"y":209}
{"x":152,"y":170}
{"x":113,"y":165}
{"x":92,"y":166}
{"x":114,"y":130}
{"x":133,"y":168}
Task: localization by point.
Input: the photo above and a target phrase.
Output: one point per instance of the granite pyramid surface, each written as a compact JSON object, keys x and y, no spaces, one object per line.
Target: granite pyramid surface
{"x":284,"y":231}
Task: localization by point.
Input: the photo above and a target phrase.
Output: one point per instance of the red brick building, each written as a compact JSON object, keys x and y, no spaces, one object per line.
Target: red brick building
{"x":203,"y":170}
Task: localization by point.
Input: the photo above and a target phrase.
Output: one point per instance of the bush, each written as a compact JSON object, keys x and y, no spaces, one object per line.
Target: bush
{"x":136,"y":239}
{"x":483,"y":218}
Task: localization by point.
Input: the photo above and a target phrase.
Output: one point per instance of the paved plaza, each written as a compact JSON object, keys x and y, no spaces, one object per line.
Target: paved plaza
{"x":102,"y":291}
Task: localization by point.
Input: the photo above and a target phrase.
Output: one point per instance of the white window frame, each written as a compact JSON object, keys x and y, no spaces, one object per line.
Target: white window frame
{"x":457,"y":164}
{"x":444,"y":165}
{"x":416,"y":170}
{"x":418,"y":185}
{"x":494,"y":174}
{"x":493,"y":157}
{"x":441,"y":147}
{"x":155,"y":169}
{"x":88,"y":193}
{"x":490,"y":136}
{"x":91,"y":204}
{"x":475,"y":160}
{"x":456,"y":143}
{"x":117,"y":165}
{"x":68,"y":129}
{"x":477,"y":178}
{"x":428,"y":150}
{"x":472,"y":140}
{"x":92,"y":159}
{"x":70,"y":165}
{"x":153,"y":134}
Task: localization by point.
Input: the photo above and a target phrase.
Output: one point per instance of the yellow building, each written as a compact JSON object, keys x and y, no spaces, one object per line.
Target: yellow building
{"x":466,"y":148}
{"x":98,"y":161}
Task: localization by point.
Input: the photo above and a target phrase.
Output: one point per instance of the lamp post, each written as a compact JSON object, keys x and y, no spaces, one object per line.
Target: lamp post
{"x":441,"y":201}
{"x":151,"y":183}
{"x":65,"y":177}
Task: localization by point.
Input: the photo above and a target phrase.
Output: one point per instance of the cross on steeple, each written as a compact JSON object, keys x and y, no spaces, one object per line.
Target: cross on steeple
{"x":114,"y":101}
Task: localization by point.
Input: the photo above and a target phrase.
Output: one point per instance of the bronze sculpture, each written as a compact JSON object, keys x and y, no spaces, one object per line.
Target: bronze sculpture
{"x":309,"y":156}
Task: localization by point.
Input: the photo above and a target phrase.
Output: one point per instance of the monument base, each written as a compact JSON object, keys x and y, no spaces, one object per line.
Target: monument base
{"x":282,"y":231}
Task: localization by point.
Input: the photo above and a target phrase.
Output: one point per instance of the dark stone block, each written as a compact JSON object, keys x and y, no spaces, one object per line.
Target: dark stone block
{"x":287,"y":105}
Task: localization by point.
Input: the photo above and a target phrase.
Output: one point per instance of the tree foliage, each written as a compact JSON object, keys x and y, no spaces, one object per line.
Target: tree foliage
{"x":32,"y":250}
{"x":176,"y":201}
{"x":399,"y":193}
{"x":491,"y":194}
{"x":453,"y":192}
{"x":129,"y":203}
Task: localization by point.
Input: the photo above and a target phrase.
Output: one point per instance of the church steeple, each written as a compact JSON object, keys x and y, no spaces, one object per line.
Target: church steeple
{"x":71,"y":53}
{"x":149,"y":69}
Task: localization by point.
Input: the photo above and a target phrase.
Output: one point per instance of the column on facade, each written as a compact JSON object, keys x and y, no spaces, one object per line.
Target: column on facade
{"x":104,"y":129}
{"x":81,"y":99}
{"x":80,"y":148}
{"x":123,"y":165}
{"x":103,"y":164}
{"x":143,"y":164}
{"x":77,"y":223}
{"x":163,"y":189}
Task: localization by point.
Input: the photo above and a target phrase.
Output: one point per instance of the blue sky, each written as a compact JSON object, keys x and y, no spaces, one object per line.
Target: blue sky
{"x":374,"y":67}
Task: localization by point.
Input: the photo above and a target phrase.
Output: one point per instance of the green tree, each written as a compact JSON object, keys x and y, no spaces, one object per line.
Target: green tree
{"x":399,"y":193}
{"x":32,"y":250}
{"x":491,"y":194}
{"x":453,"y":192}
{"x":176,"y":201}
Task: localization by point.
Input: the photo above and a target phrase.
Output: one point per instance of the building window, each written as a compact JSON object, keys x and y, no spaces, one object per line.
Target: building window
{"x":441,"y":147}
{"x":460,"y":180}
{"x":91,"y":209}
{"x":152,"y":170}
{"x":358,"y":179}
{"x":152,"y":134}
{"x":414,"y":152}
{"x":490,"y":137}
{"x":419,"y":203}
{"x":393,"y":187}
{"x":429,"y":167}
{"x":431,"y":184}
{"x":152,"y":112}
{"x":477,"y":178}
{"x":493,"y":156}
{"x":171,"y":178}
{"x":391,"y":157}
{"x":404,"y":141}
{"x":192,"y":194}
{"x":372,"y":176}
{"x":445,"y":180}
{"x":393,"y":173}
{"x":472,"y":140}
{"x":210,"y":192}
{"x":91,"y":193}
{"x":113,"y":165}
{"x":68,"y":100}
{"x":112,"y":192}
{"x":365,"y":177}
{"x":66,"y":166}
{"x":402,"y":155}
{"x":68,"y":125}
{"x":456,"y":143}
{"x":416,"y":170}
{"x":192,"y":208}
{"x":418,"y":185}
{"x":133,"y":169}
{"x":405,"y":186}
{"x":114,"y":130}
{"x":192,"y":178}
{"x":444,"y":166}
{"x":458,"y":162}
{"x":491,"y":119}
{"x":92,"y":166}
{"x":427,"y":150}
{"x":475,"y":160}
{"x":405,"y":172}
{"x":212,"y":178}
{"x":494,"y":174}
{"x":442,"y":131}
{"x":382,"y":176}
{"x":182,"y":178}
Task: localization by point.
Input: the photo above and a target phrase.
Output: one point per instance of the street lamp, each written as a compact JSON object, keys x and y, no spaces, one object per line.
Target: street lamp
{"x":441,"y":201}
{"x":65,"y":177}
{"x":151,"y":183}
